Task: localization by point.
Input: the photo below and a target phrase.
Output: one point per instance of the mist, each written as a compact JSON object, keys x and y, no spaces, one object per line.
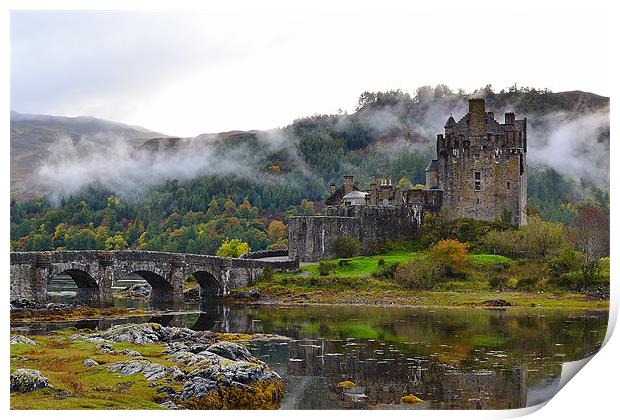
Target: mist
{"x":575,"y":144}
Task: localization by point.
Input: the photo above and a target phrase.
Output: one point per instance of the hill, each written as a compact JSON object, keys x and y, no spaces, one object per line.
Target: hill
{"x":33,"y":135}
{"x":190,"y":194}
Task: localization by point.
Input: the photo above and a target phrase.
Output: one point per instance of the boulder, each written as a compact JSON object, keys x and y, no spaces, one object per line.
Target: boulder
{"x":197,"y":387}
{"x":231,"y":351}
{"x":27,"y":380}
{"x":142,"y":290}
{"x":132,"y":353}
{"x":169,"y":404}
{"x":21,"y":339}
{"x":147,"y":333}
{"x":151,"y":371}
{"x":90,"y":363}
{"x":245,"y":294}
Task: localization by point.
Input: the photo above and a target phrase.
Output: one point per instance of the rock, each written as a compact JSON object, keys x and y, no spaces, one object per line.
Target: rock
{"x":27,"y":380}
{"x":21,"y":339}
{"x":496,"y":302}
{"x":410,"y":399}
{"x":176,"y":373}
{"x":245,"y":294}
{"x":105,"y":348}
{"x":90,"y":363}
{"x":148,"y":333}
{"x":169,"y":404}
{"x":231,"y":351}
{"x":151,"y":371}
{"x":142,"y":290}
{"x":197,"y":387}
{"x":132,"y":353}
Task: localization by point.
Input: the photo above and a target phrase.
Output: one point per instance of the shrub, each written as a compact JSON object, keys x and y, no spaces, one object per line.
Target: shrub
{"x":451,"y":256}
{"x":565,"y":261}
{"x":346,"y":247}
{"x":527,"y":283}
{"x":535,"y":240}
{"x":381,"y":261}
{"x":418,"y":274}
{"x":267,"y":274}
{"x":497,"y":282}
{"x":326,"y":267}
{"x":386,"y":271}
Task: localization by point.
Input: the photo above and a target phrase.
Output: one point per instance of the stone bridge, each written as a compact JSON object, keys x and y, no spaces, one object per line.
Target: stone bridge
{"x":95,"y":272}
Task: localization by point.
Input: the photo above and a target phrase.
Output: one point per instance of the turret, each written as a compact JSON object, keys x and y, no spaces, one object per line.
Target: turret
{"x":348,"y":181}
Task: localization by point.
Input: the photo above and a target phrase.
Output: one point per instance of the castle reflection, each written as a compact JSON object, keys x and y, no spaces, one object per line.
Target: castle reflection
{"x":383,"y":374}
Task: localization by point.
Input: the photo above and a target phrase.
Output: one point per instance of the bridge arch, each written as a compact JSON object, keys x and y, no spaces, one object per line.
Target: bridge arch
{"x":87,"y":287}
{"x":210,"y":287}
{"x":161,"y":289}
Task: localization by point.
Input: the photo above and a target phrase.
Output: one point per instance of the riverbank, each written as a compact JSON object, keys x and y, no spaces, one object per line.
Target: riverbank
{"x":140,"y":366}
{"x":488,"y":281}
{"x":30,"y":313}
{"x":399,"y":298}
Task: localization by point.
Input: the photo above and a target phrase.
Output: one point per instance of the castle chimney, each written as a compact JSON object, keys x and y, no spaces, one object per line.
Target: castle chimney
{"x":373,"y":183}
{"x":348,"y":181}
{"x":509,"y":118}
{"x":476,"y":116}
{"x":491,"y":115}
{"x":332,"y":188}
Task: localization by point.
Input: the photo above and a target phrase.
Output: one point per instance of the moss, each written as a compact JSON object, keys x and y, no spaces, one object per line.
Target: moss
{"x":234,"y":337}
{"x":61,"y":360}
{"x":80,"y":313}
{"x":410,"y":399}
{"x":346,"y":384}
{"x":263,"y":395}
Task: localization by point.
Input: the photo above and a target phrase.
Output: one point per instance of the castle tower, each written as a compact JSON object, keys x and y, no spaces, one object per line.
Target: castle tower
{"x":481,"y":166}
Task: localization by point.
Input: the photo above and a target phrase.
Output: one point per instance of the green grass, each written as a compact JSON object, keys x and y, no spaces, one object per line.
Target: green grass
{"x":363,"y":266}
{"x":482,"y":259}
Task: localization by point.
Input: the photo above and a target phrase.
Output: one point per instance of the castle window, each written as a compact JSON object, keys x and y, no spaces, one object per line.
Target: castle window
{"x":476,"y":155}
{"x":508,"y":185}
{"x":477,"y":181}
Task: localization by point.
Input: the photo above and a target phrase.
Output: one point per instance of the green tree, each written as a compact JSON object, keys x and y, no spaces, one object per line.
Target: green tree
{"x":233,"y":248}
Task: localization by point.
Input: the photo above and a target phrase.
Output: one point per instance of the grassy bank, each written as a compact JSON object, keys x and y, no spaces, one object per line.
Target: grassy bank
{"x":75,"y":386}
{"x":366,"y":280}
{"x":61,"y":360}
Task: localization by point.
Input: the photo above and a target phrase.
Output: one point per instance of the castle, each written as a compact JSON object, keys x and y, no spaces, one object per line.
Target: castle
{"x":480,"y":173}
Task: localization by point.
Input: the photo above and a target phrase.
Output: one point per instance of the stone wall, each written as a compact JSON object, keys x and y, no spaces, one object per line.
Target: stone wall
{"x":312,"y":238}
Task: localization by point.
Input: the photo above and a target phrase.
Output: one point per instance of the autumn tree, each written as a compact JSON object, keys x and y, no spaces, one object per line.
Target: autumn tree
{"x":277,"y":234}
{"x":451,"y":255}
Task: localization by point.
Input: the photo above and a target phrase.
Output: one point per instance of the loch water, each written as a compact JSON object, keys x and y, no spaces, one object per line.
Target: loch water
{"x":451,"y":358}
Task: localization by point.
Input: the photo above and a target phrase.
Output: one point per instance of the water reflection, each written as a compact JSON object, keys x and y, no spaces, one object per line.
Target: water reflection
{"x":451,"y":358}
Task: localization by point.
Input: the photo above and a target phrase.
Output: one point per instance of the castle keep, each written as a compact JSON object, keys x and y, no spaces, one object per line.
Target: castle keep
{"x":480,"y":173}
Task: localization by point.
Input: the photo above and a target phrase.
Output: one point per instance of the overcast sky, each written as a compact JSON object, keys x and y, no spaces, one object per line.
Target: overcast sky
{"x":186,"y":73}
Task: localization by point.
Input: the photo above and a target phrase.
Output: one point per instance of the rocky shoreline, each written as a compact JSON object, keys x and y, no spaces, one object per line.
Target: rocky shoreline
{"x":193,"y":370}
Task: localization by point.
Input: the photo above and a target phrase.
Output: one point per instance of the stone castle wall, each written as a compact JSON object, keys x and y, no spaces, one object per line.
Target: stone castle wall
{"x":312,"y":238}
{"x":482,"y":167}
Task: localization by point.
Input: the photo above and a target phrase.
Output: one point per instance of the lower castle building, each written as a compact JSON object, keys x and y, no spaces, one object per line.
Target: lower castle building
{"x":480,"y":172}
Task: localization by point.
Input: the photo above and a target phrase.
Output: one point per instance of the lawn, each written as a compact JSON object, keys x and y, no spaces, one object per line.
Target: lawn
{"x":365,"y":266}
